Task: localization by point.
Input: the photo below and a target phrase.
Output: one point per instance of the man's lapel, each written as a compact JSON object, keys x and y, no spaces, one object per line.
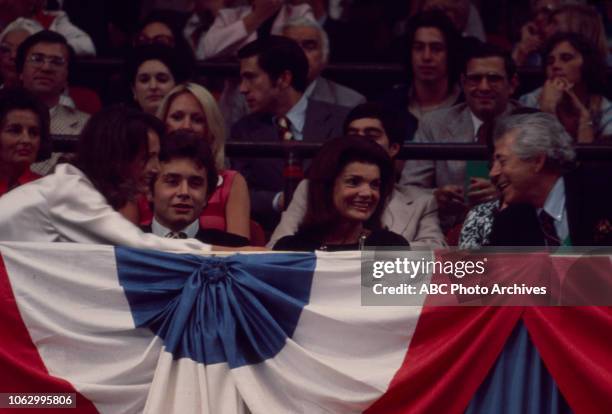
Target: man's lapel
{"x":316,"y":125}
{"x":575,"y":209}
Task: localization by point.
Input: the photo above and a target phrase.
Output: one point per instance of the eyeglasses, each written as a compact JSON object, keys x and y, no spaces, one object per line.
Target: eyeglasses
{"x":39,"y":59}
{"x":494,"y":79}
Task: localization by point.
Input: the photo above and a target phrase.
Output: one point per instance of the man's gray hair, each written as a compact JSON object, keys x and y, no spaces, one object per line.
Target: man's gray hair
{"x":539,"y":133}
{"x":306,"y":22}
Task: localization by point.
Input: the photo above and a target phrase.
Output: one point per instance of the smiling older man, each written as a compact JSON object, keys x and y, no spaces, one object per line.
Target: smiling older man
{"x":549,"y":202}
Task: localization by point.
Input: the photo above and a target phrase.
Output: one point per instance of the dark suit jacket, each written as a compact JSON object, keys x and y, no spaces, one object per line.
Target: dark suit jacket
{"x":589,"y":214}
{"x":213,"y":236}
{"x":264,"y":176}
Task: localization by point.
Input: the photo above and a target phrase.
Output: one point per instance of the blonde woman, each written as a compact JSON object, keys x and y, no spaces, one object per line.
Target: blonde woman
{"x":190,"y":106}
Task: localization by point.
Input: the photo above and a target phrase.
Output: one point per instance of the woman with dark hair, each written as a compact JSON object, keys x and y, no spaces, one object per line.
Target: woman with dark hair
{"x":78,"y":203}
{"x":152,"y":71}
{"x":24,"y":137}
{"x":350,"y":181}
{"x":575,"y":79}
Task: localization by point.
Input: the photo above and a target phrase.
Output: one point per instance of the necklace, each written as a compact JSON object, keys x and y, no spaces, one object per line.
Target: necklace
{"x":360,"y":242}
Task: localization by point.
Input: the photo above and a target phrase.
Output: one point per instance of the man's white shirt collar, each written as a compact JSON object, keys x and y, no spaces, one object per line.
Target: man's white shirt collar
{"x":297,"y":117}
{"x":159,"y":230}
{"x":555,"y":207}
{"x":476,"y":122}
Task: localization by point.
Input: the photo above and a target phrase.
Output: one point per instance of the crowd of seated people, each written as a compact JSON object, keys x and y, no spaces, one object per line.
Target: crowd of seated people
{"x":158,"y":163}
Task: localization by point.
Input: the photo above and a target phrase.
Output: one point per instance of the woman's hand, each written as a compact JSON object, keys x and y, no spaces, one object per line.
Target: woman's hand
{"x":552,"y":93}
{"x":529,"y":43}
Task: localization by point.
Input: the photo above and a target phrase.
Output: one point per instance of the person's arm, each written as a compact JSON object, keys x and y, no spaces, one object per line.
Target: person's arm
{"x":586,"y":126}
{"x":232,"y":28}
{"x":429,"y":233}
{"x":238,"y":208}
{"x":293,"y":216}
{"x":79,"y":40}
{"x":530,"y":42}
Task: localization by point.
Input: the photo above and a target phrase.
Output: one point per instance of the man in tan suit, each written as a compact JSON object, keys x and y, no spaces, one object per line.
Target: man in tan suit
{"x":488,"y":81}
{"x":43,"y":62}
{"x":413,"y":213}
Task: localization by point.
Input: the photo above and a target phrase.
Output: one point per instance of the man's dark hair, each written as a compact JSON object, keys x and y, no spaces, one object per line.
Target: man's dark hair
{"x":321,"y":214}
{"x":12,"y":99}
{"x":44,"y":36}
{"x":184,"y":143}
{"x":177,"y":63}
{"x":390,"y":121}
{"x":480,"y":50}
{"x":110,"y":143}
{"x":438,"y":20}
{"x":278,"y":54}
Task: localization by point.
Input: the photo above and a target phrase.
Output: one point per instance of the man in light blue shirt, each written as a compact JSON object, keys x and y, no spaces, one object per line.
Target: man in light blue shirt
{"x":273,"y":74}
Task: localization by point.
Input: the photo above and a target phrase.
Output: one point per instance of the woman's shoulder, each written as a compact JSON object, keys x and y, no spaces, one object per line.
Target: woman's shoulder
{"x":296,"y":242}
{"x":530,"y":99}
{"x":384,"y":237}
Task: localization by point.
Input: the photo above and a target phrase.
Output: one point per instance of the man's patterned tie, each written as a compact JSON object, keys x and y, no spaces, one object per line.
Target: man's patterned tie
{"x":176,"y":235}
{"x":547,"y":223}
{"x":284,"y":129}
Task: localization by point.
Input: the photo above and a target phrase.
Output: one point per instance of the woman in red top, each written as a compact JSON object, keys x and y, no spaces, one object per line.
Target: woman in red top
{"x":190,"y":106}
{"x":24,"y":137}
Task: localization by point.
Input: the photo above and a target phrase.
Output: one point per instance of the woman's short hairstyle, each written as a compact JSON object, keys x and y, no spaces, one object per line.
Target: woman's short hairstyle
{"x":438,"y":20}
{"x":593,"y":70}
{"x":584,"y":20}
{"x":12,"y":99}
{"x":186,"y":144}
{"x":334,"y":156}
{"x":177,"y":63}
{"x":215,"y":125}
{"x":110,"y":143}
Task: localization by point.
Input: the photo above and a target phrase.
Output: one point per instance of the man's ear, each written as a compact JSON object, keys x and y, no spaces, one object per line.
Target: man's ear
{"x":394,"y":149}
{"x":539,"y":162}
{"x":285,"y":79}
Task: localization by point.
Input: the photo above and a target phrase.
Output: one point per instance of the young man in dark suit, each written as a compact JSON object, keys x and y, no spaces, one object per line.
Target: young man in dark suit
{"x":273,"y":74}
{"x":179,"y":194}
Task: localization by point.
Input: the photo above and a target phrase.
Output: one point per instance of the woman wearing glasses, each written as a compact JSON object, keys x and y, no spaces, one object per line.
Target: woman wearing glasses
{"x":11,"y":37}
